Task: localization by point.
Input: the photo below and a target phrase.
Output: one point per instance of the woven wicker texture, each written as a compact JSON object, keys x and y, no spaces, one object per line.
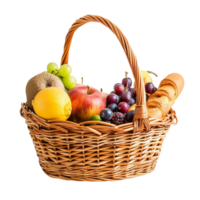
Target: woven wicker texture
{"x":99,"y":151}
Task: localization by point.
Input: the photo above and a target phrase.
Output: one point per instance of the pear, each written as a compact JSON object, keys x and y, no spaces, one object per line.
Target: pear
{"x":147,"y":77}
{"x":39,"y":82}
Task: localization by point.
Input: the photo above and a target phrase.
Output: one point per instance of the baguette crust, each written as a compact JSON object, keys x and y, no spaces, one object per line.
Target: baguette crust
{"x":160,"y":102}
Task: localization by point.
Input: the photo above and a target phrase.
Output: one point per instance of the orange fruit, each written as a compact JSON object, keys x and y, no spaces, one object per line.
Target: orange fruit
{"x":132,"y":107}
{"x":52,"y":103}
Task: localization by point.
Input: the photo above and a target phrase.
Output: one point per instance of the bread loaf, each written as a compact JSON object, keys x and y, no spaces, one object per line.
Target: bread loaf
{"x":160,"y":102}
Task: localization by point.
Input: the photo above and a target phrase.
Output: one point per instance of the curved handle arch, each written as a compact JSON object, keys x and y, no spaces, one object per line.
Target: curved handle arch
{"x":141,"y":116}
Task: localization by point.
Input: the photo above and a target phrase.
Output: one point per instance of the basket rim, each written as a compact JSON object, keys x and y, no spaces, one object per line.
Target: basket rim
{"x":38,"y":122}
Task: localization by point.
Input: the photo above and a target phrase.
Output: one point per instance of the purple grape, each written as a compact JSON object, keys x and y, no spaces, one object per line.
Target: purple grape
{"x":124,"y":82}
{"x":131,"y":89}
{"x":113,"y":92}
{"x":112,"y":98}
{"x":149,"y":88}
{"x":120,"y":98}
{"x":106,"y":114}
{"x":119,"y":89}
{"x":123,"y":107}
{"x":155,"y":88}
{"x":133,"y":96}
{"x":126,"y":96}
{"x":134,"y":92}
{"x":132,"y":102}
{"x":129,"y":116}
{"x":114,"y":84}
{"x":112,"y":107}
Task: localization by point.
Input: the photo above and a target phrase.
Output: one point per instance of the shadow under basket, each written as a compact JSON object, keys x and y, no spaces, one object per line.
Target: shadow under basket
{"x":96,"y":150}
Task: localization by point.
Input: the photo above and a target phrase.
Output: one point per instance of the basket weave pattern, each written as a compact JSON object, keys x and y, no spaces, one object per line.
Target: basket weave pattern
{"x":99,"y":151}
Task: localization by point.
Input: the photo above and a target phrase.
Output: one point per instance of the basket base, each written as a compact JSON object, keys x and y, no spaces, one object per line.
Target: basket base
{"x":114,"y":176}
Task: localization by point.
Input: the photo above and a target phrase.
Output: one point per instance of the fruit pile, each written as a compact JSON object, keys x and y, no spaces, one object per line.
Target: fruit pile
{"x":56,"y":95}
{"x":121,"y":102}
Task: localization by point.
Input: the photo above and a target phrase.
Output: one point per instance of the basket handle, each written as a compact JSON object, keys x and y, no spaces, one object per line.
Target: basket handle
{"x":141,"y":116}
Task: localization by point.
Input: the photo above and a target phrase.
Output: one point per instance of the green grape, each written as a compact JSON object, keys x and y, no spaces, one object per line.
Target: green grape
{"x":69,"y":82}
{"x":59,"y":76}
{"x":65,"y":70}
{"x":52,"y":68}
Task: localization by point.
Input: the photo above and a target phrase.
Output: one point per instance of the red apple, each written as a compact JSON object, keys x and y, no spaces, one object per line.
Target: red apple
{"x":86,"y":102}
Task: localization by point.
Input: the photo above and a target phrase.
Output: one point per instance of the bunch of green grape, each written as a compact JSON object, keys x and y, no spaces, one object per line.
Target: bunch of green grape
{"x":63,"y":73}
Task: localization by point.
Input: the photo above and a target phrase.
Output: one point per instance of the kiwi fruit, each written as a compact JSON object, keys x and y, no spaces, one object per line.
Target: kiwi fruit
{"x":40,"y":82}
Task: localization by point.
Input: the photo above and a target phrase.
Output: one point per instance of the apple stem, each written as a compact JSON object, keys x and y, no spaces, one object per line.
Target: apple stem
{"x":88,"y":89}
{"x":150,"y":72}
{"x":101,"y":90}
{"x":82,"y":79}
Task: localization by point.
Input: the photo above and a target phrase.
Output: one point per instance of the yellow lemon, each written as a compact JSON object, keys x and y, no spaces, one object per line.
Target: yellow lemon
{"x":147,"y":77}
{"x":52,"y":103}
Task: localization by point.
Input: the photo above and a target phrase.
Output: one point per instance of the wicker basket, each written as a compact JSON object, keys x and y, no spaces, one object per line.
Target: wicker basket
{"x":103,"y":151}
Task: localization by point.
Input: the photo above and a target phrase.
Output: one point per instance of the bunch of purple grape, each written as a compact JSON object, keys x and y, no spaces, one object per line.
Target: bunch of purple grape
{"x":120,"y":100}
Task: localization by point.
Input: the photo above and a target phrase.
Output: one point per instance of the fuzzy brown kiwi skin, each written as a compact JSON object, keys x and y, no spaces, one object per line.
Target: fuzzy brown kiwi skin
{"x":40,"y":82}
